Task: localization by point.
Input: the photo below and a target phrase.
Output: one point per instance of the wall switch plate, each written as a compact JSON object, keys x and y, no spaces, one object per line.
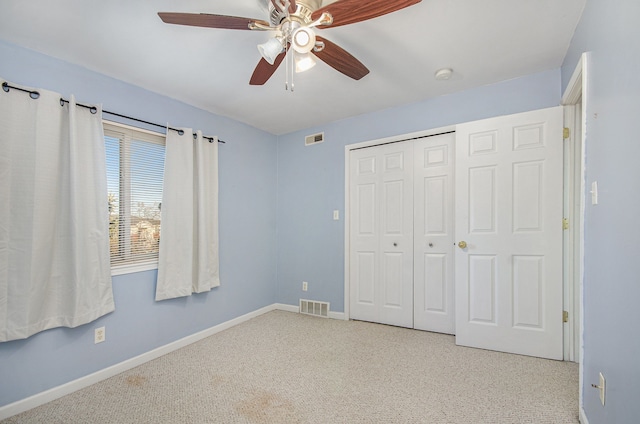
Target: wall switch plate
{"x":305,"y":286}
{"x":594,"y":193}
{"x":336,"y":215}
{"x":99,"y":335}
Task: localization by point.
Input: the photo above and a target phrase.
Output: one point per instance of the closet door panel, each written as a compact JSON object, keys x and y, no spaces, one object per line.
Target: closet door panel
{"x":381,"y":234}
{"x":433,"y":234}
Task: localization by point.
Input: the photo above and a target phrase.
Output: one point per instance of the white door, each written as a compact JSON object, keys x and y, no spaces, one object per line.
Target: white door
{"x":509,"y":214}
{"x":381,"y":234}
{"x":433,"y":234}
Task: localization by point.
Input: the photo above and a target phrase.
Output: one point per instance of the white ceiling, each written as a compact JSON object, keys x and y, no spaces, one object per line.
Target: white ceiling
{"x":484,"y":41}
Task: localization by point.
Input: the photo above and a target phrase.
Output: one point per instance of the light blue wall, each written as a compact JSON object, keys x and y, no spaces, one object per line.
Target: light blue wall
{"x":139,"y":324}
{"x":261,"y":177}
{"x":610,"y":30}
{"x":311,"y":179}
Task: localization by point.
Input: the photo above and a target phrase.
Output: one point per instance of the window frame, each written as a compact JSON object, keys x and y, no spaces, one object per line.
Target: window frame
{"x":129,"y":133}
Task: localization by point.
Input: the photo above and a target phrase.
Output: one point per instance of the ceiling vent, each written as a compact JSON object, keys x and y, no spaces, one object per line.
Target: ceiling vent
{"x":314,"y":139}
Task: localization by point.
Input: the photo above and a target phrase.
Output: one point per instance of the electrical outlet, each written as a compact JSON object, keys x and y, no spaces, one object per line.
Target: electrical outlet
{"x":99,"y":335}
{"x":305,"y":286}
{"x":602,"y":388}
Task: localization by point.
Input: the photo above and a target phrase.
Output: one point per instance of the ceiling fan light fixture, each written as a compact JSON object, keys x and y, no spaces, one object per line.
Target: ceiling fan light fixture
{"x":304,"y":62}
{"x":271,"y":49}
{"x":303,"y":40}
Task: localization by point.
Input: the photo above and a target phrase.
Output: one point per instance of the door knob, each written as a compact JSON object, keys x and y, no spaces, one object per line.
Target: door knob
{"x":462,"y":244}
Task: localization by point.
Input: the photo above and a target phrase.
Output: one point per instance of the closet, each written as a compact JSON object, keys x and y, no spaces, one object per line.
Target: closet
{"x":402,"y":234}
{"x":461,"y":233}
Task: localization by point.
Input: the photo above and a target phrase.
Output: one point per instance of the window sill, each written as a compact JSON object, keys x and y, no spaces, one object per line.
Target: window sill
{"x":131,"y":268}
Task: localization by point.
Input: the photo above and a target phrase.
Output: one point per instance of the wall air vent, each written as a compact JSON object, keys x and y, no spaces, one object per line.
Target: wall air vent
{"x":314,"y":139}
{"x":312,"y":307}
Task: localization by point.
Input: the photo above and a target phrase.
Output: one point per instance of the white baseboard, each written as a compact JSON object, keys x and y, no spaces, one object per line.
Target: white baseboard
{"x":285,"y":307}
{"x":337,"y":315}
{"x":72,"y":386}
{"x":583,"y":417}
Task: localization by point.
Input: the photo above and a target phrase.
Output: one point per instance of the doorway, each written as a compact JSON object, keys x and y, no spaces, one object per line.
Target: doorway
{"x":574,"y":102}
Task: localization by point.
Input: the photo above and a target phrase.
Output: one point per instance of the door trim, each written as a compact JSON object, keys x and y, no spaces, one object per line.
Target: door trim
{"x":572,"y":206}
{"x":578,"y":91}
{"x":347,"y":209}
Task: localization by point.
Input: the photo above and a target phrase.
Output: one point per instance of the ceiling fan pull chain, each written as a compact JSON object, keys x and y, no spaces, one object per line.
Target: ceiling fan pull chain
{"x":292,"y":62}
{"x":286,"y":67}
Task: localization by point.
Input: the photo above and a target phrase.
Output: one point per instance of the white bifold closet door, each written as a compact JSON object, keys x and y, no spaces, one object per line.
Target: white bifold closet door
{"x":433,"y":265}
{"x":401,"y":242}
{"x":381,"y":235}
{"x":509,"y":214}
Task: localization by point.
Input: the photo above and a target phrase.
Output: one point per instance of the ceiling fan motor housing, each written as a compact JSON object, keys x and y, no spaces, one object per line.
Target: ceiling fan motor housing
{"x":303,"y":12}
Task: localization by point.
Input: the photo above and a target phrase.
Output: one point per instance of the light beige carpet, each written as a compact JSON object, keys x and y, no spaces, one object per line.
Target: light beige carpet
{"x":283,"y":367}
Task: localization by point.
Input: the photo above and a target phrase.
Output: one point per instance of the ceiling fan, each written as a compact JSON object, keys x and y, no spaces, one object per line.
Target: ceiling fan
{"x":293,"y":22}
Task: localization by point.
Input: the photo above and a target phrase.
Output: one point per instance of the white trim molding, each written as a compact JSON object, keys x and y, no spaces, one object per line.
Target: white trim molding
{"x":578,"y":89}
{"x":287,"y":308}
{"x":583,"y":417}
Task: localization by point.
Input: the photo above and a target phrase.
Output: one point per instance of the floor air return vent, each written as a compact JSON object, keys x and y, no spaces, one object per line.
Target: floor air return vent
{"x":311,"y":307}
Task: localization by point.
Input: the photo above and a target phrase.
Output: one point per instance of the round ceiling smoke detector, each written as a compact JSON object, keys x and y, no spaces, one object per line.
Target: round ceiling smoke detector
{"x":443,"y":74}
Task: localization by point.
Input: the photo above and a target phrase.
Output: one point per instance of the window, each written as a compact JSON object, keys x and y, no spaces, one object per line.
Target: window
{"x":135,"y":165}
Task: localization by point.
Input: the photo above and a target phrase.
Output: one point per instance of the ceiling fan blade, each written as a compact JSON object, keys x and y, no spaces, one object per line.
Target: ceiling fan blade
{"x":351,"y":11}
{"x":341,"y":60}
{"x":208,"y":20}
{"x":264,"y":70}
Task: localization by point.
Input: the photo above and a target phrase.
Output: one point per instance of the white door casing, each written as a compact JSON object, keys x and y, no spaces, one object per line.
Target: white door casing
{"x":509,"y":212}
{"x":434,"y":300}
{"x":381,"y":234}
{"x":573,"y":206}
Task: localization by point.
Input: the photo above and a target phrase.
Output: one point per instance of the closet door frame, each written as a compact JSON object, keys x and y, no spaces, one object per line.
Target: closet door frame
{"x":347,"y":185}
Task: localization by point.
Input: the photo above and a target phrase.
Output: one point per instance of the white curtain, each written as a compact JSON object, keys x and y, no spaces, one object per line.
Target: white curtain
{"x":54,"y":226}
{"x":188,"y":257}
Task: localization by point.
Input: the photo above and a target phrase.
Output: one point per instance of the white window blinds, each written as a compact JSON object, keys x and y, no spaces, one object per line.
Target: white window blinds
{"x":135,"y":164}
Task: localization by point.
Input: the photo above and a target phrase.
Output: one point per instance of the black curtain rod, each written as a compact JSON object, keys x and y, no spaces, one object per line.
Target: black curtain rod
{"x":34,"y":95}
